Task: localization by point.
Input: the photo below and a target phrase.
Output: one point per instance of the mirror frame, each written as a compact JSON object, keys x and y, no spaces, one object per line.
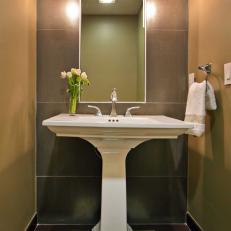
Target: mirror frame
{"x":145,"y":57}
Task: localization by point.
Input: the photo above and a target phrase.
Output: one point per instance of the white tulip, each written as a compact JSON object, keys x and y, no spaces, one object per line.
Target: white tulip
{"x":63,"y":75}
{"x":75,"y":71}
{"x":84,"y":76}
{"x":69,"y":75}
{"x":78,"y":72}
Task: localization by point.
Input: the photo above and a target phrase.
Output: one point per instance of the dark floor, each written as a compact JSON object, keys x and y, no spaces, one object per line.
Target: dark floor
{"x":74,"y":228}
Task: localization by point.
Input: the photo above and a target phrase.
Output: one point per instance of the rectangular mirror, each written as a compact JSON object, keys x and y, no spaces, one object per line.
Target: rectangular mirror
{"x":113,"y":48}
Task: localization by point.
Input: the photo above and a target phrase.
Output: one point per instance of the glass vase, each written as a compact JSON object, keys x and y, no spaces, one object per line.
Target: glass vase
{"x":73,"y":101}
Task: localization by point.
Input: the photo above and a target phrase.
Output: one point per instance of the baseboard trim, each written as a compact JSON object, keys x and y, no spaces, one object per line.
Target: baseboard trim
{"x":169,"y":226}
{"x":192,"y":223}
{"x":32,"y":224}
{"x":62,"y":227}
{"x":89,"y":227}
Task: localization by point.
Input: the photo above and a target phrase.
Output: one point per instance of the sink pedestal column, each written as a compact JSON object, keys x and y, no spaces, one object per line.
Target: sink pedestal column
{"x":114,"y":195}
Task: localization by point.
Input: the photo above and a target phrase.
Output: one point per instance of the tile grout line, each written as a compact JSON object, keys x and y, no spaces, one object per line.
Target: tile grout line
{"x":128,"y":177}
{"x":119,"y":103}
{"x":167,"y":30}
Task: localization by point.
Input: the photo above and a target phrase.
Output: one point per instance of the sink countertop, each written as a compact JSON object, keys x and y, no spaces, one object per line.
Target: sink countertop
{"x":87,"y":120}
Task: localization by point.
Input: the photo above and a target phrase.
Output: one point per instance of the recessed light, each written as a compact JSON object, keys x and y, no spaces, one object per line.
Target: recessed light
{"x":151,"y":10}
{"x":107,"y":1}
{"x":72,"y":11}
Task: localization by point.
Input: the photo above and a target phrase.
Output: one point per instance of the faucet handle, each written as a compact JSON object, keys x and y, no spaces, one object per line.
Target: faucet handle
{"x":98,"y":111}
{"x":128,"y":112}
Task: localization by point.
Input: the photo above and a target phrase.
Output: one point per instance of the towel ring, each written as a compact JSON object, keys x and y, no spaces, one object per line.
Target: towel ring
{"x":207,"y":69}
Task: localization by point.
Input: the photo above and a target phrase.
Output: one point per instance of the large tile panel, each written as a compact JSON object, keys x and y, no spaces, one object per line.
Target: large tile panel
{"x":57,"y":51}
{"x":156,"y":200}
{"x":170,"y":15}
{"x":158,"y":158}
{"x":51,"y":14}
{"x":68,"y":200}
{"x":166,"y":66}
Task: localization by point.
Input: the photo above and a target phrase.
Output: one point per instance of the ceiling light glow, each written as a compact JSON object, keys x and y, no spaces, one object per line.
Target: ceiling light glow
{"x":72,"y":11}
{"x":106,"y":1}
{"x":151,"y":10}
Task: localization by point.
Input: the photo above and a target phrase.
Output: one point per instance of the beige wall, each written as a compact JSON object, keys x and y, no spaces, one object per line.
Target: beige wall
{"x":17,"y":115}
{"x":210,"y":156}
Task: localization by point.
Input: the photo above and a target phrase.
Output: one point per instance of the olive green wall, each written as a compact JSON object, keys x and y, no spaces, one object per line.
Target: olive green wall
{"x":17,"y":117}
{"x":209,"y":187}
{"x":141,"y":58}
{"x":109,"y":55}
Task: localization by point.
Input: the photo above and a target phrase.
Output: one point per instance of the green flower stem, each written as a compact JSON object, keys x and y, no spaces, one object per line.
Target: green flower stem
{"x":74,"y":99}
{"x":73,"y":105}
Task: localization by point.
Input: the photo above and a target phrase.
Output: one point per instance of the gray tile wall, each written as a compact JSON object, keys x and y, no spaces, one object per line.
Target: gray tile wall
{"x":69,"y":169}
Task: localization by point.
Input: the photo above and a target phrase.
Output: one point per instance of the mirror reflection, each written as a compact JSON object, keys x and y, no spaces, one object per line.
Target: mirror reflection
{"x":113,"y":49}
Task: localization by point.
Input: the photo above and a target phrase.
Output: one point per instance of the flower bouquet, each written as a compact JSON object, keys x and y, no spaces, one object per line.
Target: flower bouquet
{"x":76,"y":80}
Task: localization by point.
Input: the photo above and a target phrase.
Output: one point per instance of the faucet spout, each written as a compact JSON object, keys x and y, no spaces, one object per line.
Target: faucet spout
{"x":114,"y":99}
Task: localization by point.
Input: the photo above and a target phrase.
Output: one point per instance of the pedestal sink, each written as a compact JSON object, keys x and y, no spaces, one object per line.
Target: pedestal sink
{"x":114,"y":137}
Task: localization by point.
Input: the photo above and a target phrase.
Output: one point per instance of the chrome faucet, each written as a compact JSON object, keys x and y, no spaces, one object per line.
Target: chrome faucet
{"x":98,"y":111}
{"x":128,"y":111}
{"x":113,"y":100}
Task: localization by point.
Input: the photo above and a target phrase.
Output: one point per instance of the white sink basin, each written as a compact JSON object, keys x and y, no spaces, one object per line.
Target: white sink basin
{"x":120,"y":126}
{"x":114,"y":137}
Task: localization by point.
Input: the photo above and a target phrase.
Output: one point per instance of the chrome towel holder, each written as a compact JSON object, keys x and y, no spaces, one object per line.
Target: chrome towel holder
{"x":207,"y":70}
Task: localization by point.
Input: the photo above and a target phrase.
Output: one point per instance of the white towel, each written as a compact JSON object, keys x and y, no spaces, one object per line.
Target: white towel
{"x":195,"y":110}
{"x":210,"y":99}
